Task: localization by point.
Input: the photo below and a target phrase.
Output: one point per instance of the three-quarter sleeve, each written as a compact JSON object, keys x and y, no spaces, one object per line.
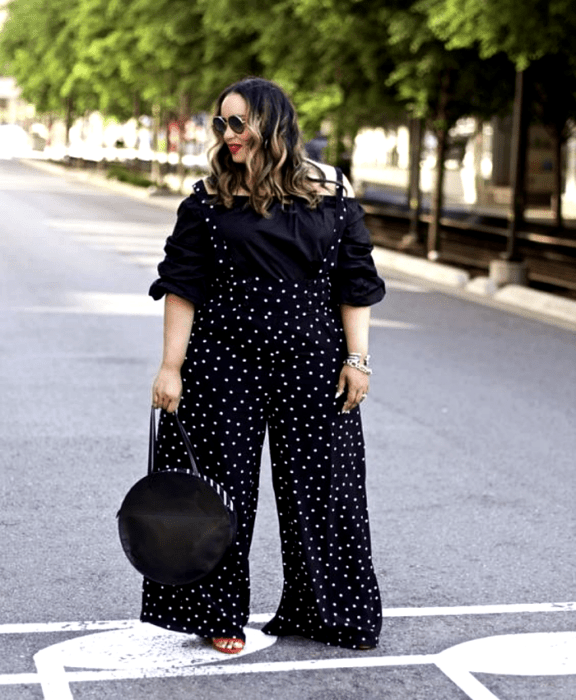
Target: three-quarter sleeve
{"x":357,"y":280}
{"x":185,"y":268}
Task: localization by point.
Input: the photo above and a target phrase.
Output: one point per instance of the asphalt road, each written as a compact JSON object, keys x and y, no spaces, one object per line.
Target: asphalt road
{"x":470,"y":427}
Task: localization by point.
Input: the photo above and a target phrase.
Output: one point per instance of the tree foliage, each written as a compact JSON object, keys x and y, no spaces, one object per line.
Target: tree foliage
{"x":538,"y":37}
{"x":36,"y":49}
{"x":525,"y":31}
{"x":115,"y":54}
{"x":441,"y":85}
{"x":354,"y":62}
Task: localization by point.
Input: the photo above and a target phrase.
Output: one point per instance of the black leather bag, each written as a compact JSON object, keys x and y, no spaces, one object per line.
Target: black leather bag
{"x":175,"y":525}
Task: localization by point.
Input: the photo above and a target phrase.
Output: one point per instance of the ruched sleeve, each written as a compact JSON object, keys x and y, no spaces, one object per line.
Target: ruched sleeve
{"x":186,"y":268}
{"x":357,"y":280}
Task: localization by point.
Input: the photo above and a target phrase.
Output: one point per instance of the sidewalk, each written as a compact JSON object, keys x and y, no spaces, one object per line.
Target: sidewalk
{"x":452,"y":280}
{"x":513,"y":298}
{"x":394,"y":182}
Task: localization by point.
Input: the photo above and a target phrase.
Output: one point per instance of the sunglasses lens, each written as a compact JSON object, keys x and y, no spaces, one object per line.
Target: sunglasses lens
{"x":219,"y":125}
{"x":236,"y":124}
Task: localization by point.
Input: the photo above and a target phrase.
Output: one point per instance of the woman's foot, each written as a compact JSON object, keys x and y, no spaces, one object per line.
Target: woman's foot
{"x":228,"y":645}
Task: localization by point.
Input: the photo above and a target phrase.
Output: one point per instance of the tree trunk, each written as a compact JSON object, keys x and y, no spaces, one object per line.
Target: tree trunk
{"x":168,"y":118}
{"x":338,"y":146}
{"x":557,"y":193}
{"x":183,"y":116}
{"x":155,"y":174}
{"x":414,"y":192}
{"x":478,"y":153}
{"x":69,"y":118}
{"x":50,"y":129}
{"x":441,"y":126}
{"x":437,"y":194}
{"x":518,"y":166}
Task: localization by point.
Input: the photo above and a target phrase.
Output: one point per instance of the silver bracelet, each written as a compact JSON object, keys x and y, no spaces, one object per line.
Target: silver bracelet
{"x":358,"y":356}
{"x":353,"y":361}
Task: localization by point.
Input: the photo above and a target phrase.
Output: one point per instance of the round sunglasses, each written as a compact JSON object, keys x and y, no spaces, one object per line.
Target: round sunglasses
{"x":236,"y":123}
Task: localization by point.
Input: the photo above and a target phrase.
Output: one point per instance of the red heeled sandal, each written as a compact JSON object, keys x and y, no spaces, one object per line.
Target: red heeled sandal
{"x":221,"y":644}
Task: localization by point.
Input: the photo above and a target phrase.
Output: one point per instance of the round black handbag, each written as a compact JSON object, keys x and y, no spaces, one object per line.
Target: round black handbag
{"x":175,"y":525}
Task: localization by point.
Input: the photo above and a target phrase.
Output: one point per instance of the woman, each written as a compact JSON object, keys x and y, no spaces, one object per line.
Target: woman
{"x":268,"y":280}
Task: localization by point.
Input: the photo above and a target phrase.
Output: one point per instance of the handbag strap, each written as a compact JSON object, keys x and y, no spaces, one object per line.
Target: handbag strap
{"x":185,"y":439}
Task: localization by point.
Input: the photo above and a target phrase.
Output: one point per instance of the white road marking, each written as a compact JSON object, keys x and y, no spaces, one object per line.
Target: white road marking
{"x":262,"y":618}
{"x":94,"y":625}
{"x":535,"y":654}
{"x":510,"y":609}
{"x":191,"y":670}
{"x":50,"y":627}
{"x":152,"y":650}
{"x":530,"y":654}
{"x":128,"y":649}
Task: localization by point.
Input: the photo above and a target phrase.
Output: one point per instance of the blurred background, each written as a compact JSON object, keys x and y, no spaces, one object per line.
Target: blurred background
{"x":434,"y":108}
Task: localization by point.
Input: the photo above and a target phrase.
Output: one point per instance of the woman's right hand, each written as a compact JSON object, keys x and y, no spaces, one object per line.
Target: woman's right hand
{"x":167,"y":389}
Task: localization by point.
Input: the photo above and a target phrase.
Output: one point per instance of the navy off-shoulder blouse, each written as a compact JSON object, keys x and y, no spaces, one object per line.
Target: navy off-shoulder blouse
{"x":291,"y":244}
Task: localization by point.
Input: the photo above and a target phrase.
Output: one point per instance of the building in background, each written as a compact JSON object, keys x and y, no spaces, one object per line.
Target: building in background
{"x":13,"y":109}
{"x":477,"y":164}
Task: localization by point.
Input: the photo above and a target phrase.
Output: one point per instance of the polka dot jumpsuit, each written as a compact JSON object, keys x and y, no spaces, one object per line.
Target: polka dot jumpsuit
{"x":267,"y":353}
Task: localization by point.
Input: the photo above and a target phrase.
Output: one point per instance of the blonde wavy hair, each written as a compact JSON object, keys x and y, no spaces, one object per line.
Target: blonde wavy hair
{"x":276,"y":167}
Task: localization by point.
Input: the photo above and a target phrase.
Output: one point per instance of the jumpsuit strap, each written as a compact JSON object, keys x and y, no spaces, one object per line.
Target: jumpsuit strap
{"x":217,"y":241}
{"x":339,"y":222}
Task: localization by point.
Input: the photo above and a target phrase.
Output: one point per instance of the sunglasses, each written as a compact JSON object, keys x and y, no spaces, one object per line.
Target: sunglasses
{"x":236,"y":123}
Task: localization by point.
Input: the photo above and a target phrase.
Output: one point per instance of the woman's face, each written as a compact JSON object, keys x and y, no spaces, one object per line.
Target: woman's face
{"x":239,"y":144}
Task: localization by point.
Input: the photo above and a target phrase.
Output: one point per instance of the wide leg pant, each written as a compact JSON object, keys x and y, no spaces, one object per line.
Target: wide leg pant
{"x":268,"y":355}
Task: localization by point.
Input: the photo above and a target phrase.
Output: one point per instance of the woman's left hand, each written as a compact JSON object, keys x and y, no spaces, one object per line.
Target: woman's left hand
{"x":356,"y":384}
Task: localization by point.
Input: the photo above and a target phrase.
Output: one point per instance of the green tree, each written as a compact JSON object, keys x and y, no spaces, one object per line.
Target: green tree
{"x":107,"y":57}
{"x":331,"y":57}
{"x":277,"y":41}
{"x":327,"y":54}
{"x":440,"y":86}
{"x":526,"y":32}
{"x":36,"y":48}
{"x":552,"y":100}
{"x":119,"y":56}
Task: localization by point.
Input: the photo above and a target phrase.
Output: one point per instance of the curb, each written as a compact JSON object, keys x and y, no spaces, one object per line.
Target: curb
{"x":482,"y":290}
{"x":513,"y":298}
{"x":540,"y":302}
{"x":408,"y":265}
